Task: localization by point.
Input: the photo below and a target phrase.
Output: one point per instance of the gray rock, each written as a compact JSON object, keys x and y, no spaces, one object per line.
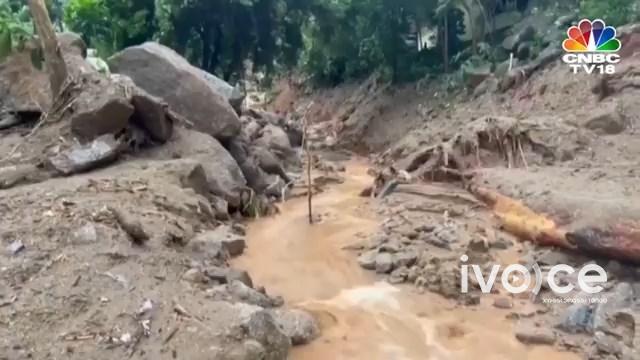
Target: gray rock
{"x":607,"y":122}
{"x":274,"y":137}
{"x":233,"y":94}
{"x":16,"y":174}
{"x":15,"y":247}
{"x":405,"y":259}
{"x":237,"y":291}
{"x":298,"y":325}
{"x":607,"y":344}
{"x":269,"y":163}
{"x":100,"y":108}
{"x":224,"y":177}
{"x":262,"y":327}
{"x":251,"y":130}
{"x":248,"y":350}
{"x":208,"y":247}
{"x":87,"y":234}
{"x":225,"y":275}
{"x":577,"y":318}
{"x":399,"y":275}
{"x":81,"y":158}
{"x":531,"y":335}
{"x":384,"y":263}
{"x":233,"y":243}
{"x":195,"y":276}
{"x":164,"y":73}
{"x":368,"y":260}
{"x":150,"y":113}
{"x":620,"y":298}
{"x":503,"y":303}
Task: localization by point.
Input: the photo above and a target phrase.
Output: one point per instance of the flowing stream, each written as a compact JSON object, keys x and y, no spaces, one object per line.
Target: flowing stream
{"x":362,"y":317}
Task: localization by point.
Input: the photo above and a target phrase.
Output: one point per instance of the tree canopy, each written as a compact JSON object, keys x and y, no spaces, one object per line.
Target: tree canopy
{"x":331,"y":40}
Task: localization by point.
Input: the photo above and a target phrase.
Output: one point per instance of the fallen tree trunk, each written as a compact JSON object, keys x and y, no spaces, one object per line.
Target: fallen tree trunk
{"x":619,"y":242}
{"x":56,"y":66}
{"x":519,"y":220}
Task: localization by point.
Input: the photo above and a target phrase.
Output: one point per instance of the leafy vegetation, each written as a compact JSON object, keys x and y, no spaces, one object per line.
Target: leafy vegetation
{"x":613,"y":12}
{"x":15,"y":26}
{"x":331,"y":40}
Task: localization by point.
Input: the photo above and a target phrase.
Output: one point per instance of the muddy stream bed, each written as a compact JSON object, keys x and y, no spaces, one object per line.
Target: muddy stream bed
{"x":361,"y":316}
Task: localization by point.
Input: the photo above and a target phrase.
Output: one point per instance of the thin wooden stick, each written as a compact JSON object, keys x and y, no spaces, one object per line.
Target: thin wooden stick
{"x":305,"y":144}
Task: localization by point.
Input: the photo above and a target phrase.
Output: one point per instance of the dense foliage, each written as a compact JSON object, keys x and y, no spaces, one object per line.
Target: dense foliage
{"x":614,"y":12}
{"x":331,"y":40}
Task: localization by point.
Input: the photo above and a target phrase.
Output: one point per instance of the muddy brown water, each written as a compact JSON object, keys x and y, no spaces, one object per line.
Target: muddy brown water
{"x":362,"y":317}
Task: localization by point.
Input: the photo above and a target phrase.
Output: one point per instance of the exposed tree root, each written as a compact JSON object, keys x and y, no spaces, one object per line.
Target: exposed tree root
{"x":488,"y":139}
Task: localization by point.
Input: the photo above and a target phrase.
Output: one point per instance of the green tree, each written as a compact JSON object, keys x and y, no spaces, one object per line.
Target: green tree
{"x":110,"y":25}
{"x":613,"y":12}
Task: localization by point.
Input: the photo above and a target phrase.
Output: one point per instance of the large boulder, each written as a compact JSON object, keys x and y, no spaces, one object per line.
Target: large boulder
{"x":223,"y":174}
{"x":233,"y":94}
{"x":102,"y":107}
{"x":164,"y":73}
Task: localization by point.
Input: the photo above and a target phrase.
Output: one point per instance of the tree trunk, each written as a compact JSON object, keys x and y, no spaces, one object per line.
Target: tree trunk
{"x":445,"y":46}
{"x":52,"y":55}
{"x":205,"y":36}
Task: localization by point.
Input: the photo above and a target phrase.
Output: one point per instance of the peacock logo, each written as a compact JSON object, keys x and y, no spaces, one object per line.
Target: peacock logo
{"x":591,"y":36}
{"x":591,"y":48}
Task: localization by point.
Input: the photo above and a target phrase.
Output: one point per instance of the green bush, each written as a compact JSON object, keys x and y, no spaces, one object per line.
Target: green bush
{"x":613,"y":12}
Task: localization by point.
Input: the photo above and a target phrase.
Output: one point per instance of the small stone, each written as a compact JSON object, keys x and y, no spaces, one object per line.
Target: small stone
{"x":391,"y":247}
{"x":87,"y":234}
{"x":208,"y":247}
{"x":239,"y":275}
{"x":577,"y":318}
{"x":399,"y":275}
{"x":368,"y":260}
{"x":503,"y":303}
{"x":414,"y":273}
{"x":234,"y":245}
{"x":607,"y":344}
{"x":384,"y":263}
{"x":239,"y":229}
{"x":531,"y":335}
{"x":478,"y":245}
{"x":15,"y":247}
{"x":607,"y":122}
{"x":620,"y":298}
{"x":406,"y":258}
{"x":195,"y":276}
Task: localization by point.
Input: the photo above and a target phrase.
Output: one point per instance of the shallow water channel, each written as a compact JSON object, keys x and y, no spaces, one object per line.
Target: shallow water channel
{"x":362,"y":317}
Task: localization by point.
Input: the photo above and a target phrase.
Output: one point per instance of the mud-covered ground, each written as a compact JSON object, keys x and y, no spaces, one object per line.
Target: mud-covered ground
{"x":557,"y":142}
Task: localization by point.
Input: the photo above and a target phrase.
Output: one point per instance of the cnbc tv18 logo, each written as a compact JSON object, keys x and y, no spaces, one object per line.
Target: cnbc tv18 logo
{"x":591,"y":48}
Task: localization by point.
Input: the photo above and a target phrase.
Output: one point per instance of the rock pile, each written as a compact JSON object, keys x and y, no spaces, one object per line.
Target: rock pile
{"x":139,"y":174}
